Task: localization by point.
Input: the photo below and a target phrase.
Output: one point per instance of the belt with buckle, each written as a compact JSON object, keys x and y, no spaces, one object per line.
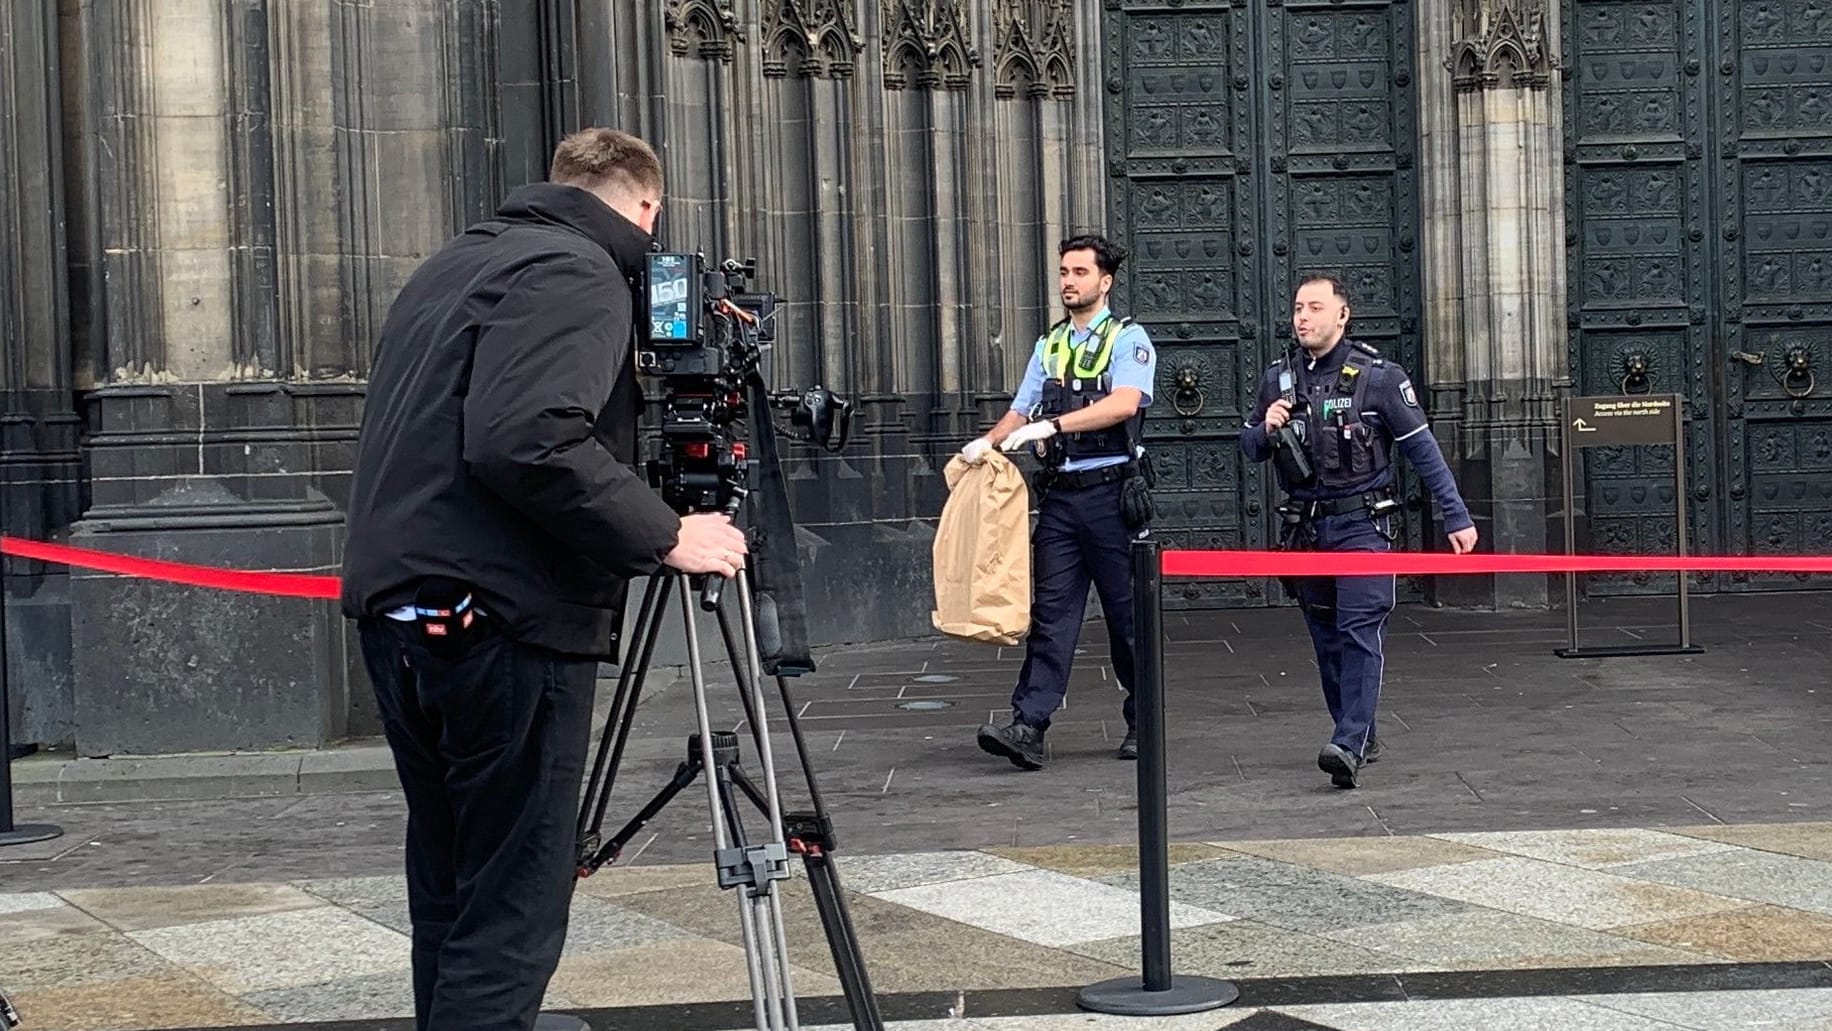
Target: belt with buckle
{"x":1364,"y":502}
{"x":1093,"y":477}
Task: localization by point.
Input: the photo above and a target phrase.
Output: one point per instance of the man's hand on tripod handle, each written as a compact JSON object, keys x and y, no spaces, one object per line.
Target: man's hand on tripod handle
{"x":708,"y":543}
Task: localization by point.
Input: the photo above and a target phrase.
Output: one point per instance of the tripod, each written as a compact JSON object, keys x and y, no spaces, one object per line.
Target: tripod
{"x":751,"y":866}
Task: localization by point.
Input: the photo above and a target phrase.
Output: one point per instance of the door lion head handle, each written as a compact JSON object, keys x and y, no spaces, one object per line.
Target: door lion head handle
{"x":1797,"y":379}
{"x":1188,"y":399}
{"x":1635,"y":373}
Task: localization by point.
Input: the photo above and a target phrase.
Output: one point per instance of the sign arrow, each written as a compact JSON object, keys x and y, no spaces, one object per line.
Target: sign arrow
{"x":1582,"y":427}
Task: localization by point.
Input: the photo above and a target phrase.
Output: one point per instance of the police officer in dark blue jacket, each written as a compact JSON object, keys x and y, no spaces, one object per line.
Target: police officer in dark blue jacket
{"x":1082,"y":405}
{"x":1328,"y":415}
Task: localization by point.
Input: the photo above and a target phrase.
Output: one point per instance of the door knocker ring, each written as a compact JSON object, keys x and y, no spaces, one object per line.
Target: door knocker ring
{"x":1188,"y":399}
{"x":1799,"y":365}
{"x":1635,"y":379}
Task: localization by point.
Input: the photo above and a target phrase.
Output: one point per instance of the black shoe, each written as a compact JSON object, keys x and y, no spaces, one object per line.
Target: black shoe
{"x":1371,"y":754}
{"x":1019,"y":742}
{"x":1341,"y":764}
{"x":1129,"y":748}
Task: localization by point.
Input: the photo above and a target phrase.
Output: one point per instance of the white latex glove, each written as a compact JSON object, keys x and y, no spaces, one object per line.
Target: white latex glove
{"x":975,"y":451}
{"x":1029,"y":433}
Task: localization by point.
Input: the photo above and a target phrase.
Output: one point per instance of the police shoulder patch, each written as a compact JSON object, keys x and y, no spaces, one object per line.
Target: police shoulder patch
{"x":1142,"y":354}
{"x":1407,"y":394}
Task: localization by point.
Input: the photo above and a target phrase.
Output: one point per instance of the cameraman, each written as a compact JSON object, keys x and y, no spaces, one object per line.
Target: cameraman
{"x":494,"y":518}
{"x":1083,"y":399}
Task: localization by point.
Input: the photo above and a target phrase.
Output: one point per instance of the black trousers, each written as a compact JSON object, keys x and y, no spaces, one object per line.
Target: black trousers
{"x":490,"y":749}
{"x":1080,"y":536}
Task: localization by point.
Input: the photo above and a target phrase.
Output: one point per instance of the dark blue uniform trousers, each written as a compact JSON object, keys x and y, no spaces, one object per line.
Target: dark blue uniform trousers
{"x":490,"y":749}
{"x":1080,"y":536}
{"x":1347,"y":616}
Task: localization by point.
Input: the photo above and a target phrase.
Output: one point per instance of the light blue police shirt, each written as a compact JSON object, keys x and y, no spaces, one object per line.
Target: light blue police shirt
{"x":1134,"y":364}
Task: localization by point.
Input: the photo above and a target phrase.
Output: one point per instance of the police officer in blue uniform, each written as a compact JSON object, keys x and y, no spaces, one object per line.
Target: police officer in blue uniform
{"x":1082,"y":407}
{"x":1328,"y":415}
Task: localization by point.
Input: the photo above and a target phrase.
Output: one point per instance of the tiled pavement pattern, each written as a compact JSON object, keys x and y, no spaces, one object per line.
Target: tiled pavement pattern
{"x":1689,"y":777}
{"x":1259,"y":913}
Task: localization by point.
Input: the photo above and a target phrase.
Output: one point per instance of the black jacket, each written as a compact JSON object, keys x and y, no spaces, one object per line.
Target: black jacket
{"x":499,"y":435}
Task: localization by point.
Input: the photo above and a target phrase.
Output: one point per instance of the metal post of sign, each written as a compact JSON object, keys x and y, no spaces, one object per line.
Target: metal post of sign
{"x":1679,"y":521}
{"x":1624,"y":422}
{"x":1568,"y":456}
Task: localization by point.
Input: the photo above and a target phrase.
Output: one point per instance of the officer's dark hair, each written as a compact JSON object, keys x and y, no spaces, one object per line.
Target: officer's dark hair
{"x":1336,"y":285}
{"x":1107,"y":254}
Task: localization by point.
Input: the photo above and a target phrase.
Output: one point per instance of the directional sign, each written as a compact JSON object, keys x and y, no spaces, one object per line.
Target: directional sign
{"x":1614,"y":421}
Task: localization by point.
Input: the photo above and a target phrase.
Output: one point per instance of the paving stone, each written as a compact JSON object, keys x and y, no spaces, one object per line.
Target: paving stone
{"x":280,"y":950}
{"x":1727,"y":1011}
{"x":1559,"y":893}
{"x":1248,"y":948}
{"x":1354,"y":857}
{"x":140,"y":909}
{"x":1042,"y":906}
{"x":1487,"y":940}
{"x":169,"y":1000}
{"x":1781,"y":880}
{"x":1541,"y":1014}
{"x":1593,"y":849}
{"x":1756,"y":934}
{"x":1295,"y":897}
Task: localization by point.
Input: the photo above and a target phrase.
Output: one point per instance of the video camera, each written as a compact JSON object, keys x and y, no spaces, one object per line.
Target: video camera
{"x":705,"y":339}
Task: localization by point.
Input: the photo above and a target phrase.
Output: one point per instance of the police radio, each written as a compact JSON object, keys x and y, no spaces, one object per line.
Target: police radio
{"x":1293,"y":461}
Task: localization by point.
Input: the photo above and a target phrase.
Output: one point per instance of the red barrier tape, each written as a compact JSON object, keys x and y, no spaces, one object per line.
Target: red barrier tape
{"x":1176,"y":563}
{"x":284,"y":585}
{"x":1374,"y":563}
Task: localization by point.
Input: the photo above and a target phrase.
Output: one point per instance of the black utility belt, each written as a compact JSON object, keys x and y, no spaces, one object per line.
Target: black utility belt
{"x":1373,"y":503}
{"x":1090,"y":477}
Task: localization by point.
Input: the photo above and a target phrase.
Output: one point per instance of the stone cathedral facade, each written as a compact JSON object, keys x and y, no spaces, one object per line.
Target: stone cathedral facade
{"x":209,"y":205}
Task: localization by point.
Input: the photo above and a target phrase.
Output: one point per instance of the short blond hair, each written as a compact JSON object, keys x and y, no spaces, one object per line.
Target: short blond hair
{"x":595,"y":158}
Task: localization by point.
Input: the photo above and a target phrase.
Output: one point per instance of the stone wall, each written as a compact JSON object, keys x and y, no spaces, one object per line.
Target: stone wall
{"x":216,"y":201}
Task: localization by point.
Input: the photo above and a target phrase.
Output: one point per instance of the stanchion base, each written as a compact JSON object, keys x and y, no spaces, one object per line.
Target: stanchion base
{"x":26,"y":833}
{"x":1624,"y":651}
{"x":560,"y":1022}
{"x":1127,"y":997}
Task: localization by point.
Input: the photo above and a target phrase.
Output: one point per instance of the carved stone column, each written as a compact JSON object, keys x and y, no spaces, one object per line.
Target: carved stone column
{"x":1495,"y":271}
{"x":39,"y":467}
{"x":902,"y":169}
{"x":264,"y":176}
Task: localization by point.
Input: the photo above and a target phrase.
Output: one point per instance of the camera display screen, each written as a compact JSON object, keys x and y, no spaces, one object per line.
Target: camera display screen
{"x":672,"y":304}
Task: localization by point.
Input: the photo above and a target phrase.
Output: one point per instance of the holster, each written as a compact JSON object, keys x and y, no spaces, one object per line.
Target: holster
{"x":1136,"y":507}
{"x":1295,"y":534}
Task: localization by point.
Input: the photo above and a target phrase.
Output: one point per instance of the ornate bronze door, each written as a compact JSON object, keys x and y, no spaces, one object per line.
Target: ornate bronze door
{"x":1250,"y":142}
{"x":1699,"y":213}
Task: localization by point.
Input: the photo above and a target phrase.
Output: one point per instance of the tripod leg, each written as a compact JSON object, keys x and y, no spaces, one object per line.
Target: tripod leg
{"x":757,"y":719}
{"x":766,"y":756}
{"x":753,"y":685}
{"x":848,"y":962}
{"x":629,"y":692}
{"x":801,"y":745}
{"x":683,"y":776}
{"x":722,"y":842}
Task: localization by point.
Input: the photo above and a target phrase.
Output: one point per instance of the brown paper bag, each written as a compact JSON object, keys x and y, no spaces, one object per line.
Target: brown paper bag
{"x":982,"y":552}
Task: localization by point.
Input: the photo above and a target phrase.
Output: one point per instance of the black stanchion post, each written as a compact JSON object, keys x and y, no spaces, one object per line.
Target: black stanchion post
{"x":11,"y":834}
{"x":1158,"y":992}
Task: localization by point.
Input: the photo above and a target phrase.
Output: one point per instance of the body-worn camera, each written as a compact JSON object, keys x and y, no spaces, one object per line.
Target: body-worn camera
{"x":705,"y":339}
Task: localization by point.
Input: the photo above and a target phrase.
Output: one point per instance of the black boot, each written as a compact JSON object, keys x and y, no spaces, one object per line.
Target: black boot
{"x":1129,"y":748}
{"x":1018,"y":741}
{"x":1341,"y":764}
